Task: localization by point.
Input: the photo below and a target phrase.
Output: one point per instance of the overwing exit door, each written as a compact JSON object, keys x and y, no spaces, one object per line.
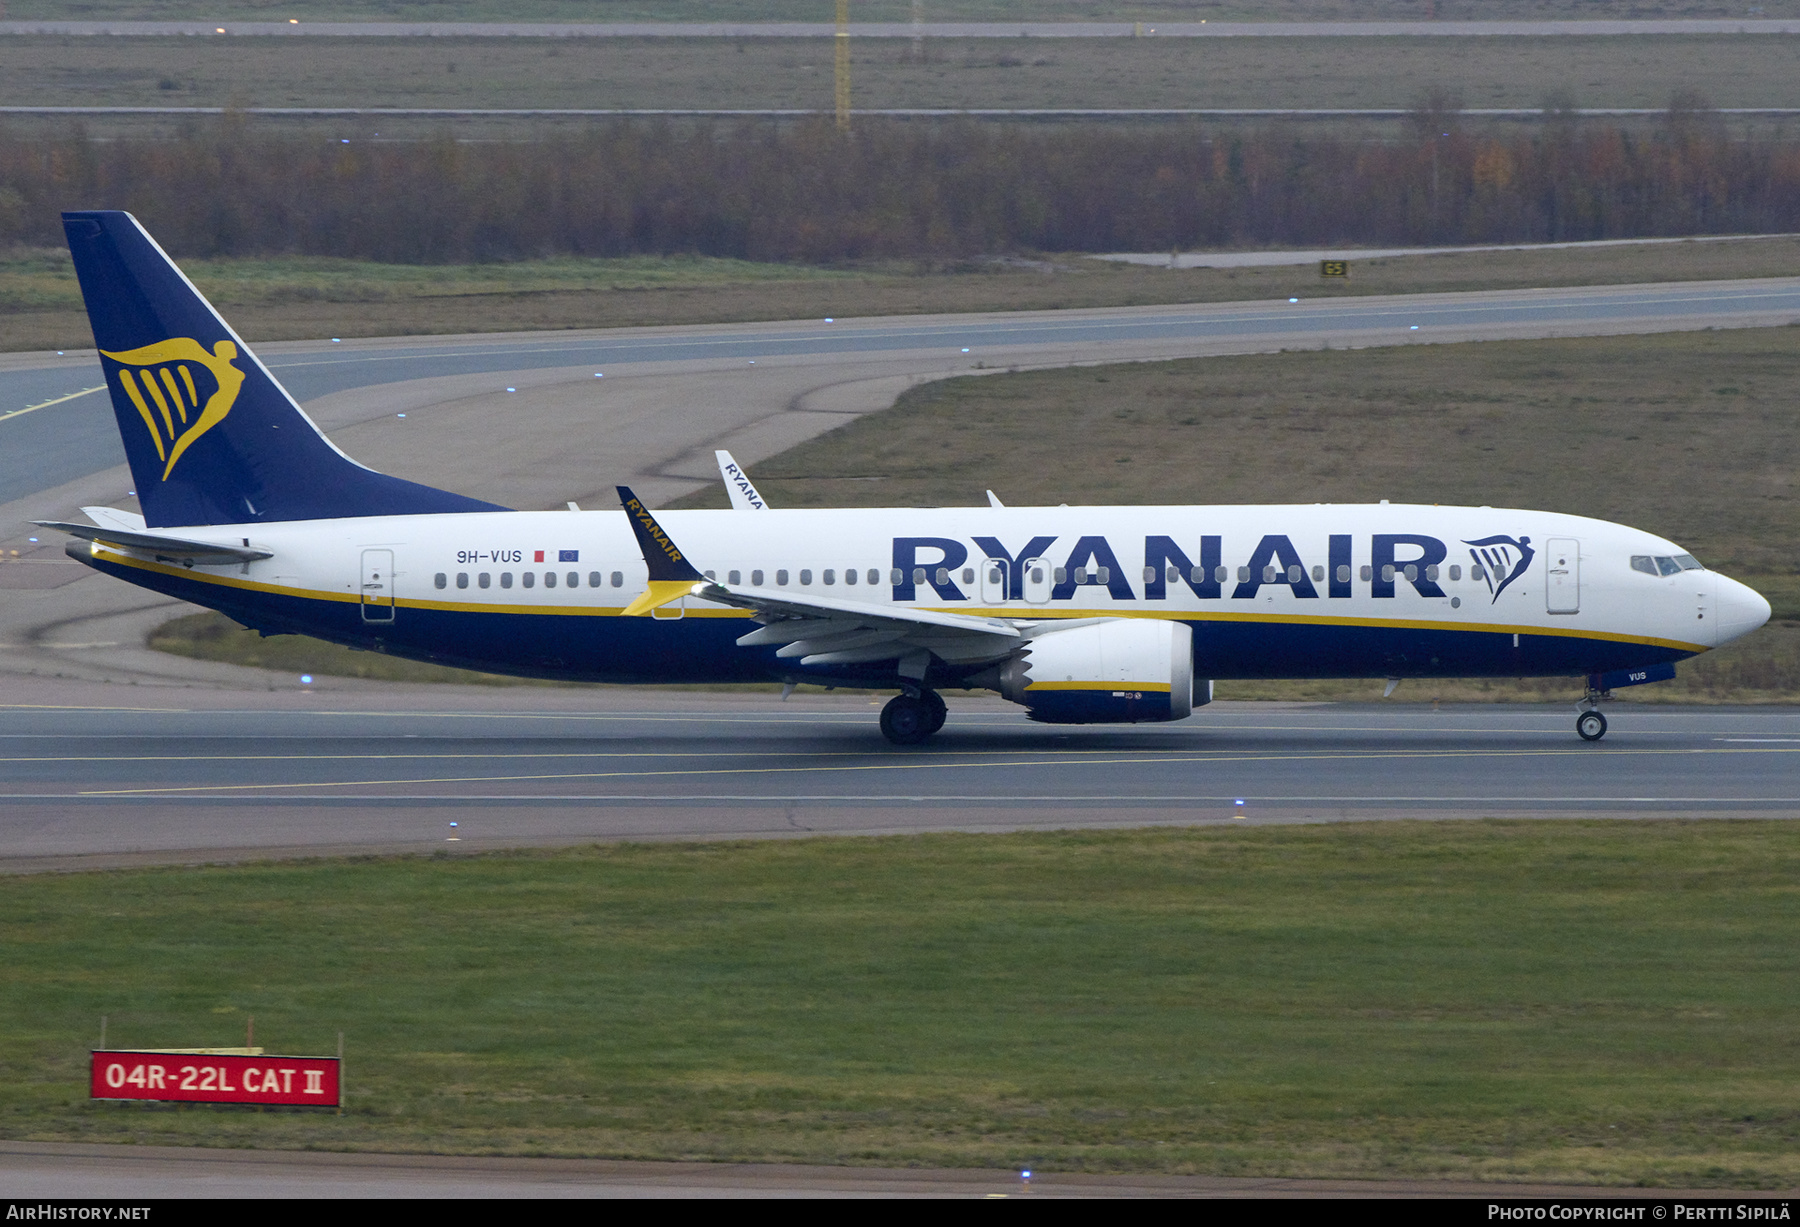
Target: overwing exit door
{"x":1562,"y":576}
{"x":995,"y":579}
{"x":378,"y":585}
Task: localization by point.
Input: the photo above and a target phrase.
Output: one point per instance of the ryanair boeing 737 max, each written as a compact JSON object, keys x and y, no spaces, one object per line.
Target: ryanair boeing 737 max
{"x":1080,"y":614}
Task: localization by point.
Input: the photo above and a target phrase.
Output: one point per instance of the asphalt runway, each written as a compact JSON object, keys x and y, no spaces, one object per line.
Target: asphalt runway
{"x":414,"y":769}
{"x":902,"y":29}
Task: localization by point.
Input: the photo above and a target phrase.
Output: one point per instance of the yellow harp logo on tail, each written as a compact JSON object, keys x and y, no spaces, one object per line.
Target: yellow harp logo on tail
{"x":160,"y":381}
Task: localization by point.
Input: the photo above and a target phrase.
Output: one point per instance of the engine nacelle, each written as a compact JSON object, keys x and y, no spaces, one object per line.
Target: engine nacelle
{"x":1122,"y":671}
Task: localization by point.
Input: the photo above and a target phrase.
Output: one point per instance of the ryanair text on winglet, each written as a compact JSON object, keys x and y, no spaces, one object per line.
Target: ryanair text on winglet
{"x":656,"y":533}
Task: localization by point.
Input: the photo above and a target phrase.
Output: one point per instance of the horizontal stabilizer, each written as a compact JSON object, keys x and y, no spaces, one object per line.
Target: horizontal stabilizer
{"x":165,"y":549}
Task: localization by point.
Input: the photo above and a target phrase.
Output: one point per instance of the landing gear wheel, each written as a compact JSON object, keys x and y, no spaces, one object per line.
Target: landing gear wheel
{"x":1591,"y":725}
{"x":907,"y":721}
{"x":934,"y":704}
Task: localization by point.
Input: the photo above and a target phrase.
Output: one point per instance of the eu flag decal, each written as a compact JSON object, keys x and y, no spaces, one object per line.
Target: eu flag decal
{"x":568,"y":555}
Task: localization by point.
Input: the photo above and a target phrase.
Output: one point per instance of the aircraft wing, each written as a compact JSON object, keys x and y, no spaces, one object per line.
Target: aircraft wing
{"x":164,"y":549}
{"x":828,"y":631}
{"x":820,"y":630}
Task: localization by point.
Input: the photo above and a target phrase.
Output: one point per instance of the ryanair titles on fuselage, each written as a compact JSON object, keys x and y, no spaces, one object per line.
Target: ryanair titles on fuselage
{"x":1152,"y":567}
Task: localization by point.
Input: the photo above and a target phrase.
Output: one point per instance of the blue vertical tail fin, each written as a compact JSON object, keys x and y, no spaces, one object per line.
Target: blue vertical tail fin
{"x":211,"y":436}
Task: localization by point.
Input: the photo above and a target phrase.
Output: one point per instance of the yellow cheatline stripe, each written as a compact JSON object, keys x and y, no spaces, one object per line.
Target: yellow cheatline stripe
{"x":1162,"y":687}
{"x":1037,"y":614}
{"x":46,"y":404}
{"x":352,"y":598}
{"x":1032,"y":613}
{"x":905,"y":765}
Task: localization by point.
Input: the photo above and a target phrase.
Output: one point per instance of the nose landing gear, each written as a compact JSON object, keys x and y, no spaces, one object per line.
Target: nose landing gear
{"x":1590,"y":724}
{"x":909,"y":719}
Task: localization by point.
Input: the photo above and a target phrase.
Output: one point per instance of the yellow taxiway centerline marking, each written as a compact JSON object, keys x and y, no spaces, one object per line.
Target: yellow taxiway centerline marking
{"x":932,"y":765}
{"x":46,"y":404}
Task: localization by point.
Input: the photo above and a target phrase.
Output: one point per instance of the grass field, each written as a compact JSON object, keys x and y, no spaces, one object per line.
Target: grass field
{"x":1603,"y":1002}
{"x":302,"y":298}
{"x":1637,"y":71}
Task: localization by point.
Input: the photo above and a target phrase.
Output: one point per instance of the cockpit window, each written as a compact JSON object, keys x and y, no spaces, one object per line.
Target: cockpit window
{"x":1664,"y":565}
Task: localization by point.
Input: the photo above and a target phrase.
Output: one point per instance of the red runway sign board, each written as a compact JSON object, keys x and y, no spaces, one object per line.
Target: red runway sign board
{"x":209,"y":1078}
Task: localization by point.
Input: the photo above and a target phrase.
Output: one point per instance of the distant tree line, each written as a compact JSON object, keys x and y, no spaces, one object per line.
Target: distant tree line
{"x":804,"y":192}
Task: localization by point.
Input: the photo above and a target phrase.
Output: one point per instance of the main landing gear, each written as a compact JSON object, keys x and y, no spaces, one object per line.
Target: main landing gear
{"x":909,"y":719}
{"x":1590,"y":723}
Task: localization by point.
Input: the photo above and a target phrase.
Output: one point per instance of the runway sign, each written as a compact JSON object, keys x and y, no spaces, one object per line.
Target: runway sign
{"x":1334,"y":268}
{"x":215,"y":1078}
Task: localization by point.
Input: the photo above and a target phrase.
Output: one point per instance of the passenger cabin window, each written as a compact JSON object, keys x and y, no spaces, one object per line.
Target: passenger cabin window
{"x":734,"y":577}
{"x":527,"y":578}
{"x":1243,"y":575}
{"x":968,"y":575}
{"x":1343,"y":573}
{"x":1269,"y":574}
{"x":1475,"y":572}
{"x":618,"y":579}
{"x":549,"y":579}
{"x":1368,"y":572}
{"x":1455,"y":571}
{"x":875,"y":576}
{"x":506,"y":579}
{"x":574,"y":579}
{"x":781,"y":579}
{"x":849,"y":575}
{"x":483,"y":579}
{"x":1318,"y":574}
{"x":1387,"y":573}
{"x":1221,"y":574}
{"x":462,"y":579}
{"x":756,"y":579}
{"x":440,"y":580}
{"x":1294,"y":575}
{"x":806,"y":577}
{"x":593,"y":579}
{"x":830,"y":577}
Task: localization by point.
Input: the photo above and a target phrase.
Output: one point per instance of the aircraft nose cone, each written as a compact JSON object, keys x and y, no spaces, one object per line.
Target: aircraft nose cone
{"x":1741,"y":609}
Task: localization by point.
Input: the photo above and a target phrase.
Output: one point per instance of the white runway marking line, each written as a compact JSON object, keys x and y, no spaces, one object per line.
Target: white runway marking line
{"x":911,"y":765}
{"x":46,"y":404}
{"x":864,"y":800}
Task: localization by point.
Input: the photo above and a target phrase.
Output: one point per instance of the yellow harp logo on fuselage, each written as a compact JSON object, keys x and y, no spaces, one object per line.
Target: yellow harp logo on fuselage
{"x":159,"y":380}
